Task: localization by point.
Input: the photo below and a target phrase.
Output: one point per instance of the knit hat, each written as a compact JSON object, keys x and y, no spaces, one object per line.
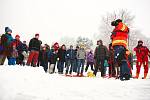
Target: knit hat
{"x":17,"y":36}
{"x":7,"y":29}
{"x":140,"y":41}
{"x":118,"y":20}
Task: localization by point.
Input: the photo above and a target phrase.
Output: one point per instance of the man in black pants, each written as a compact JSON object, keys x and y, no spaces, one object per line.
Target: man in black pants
{"x":100,"y":55}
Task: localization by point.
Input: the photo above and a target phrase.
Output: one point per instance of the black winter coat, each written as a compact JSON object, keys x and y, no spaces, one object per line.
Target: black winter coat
{"x":43,"y":57}
{"x":34,"y":44}
{"x":101,"y":53}
{"x":61,"y":55}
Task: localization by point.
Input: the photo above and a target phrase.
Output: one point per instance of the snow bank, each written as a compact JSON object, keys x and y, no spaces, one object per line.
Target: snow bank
{"x":28,"y":83}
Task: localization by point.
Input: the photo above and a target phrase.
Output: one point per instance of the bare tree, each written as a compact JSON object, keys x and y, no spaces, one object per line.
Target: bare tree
{"x":84,"y":41}
{"x":68,"y":41}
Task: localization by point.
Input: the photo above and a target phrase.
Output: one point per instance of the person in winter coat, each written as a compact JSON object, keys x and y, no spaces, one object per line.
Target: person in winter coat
{"x":43,"y":55}
{"x":90,"y":60}
{"x":13,"y":56}
{"x":81,"y":56}
{"x":119,"y":42}
{"x":1,"y":52}
{"x":18,"y":44}
{"x":34,"y":48}
{"x":112,"y":68}
{"x":61,"y":61}
{"x":6,"y":39}
{"x":70,"y":60}
{"x":100,"y":55}
{"x":56,"y":47}
{"x":24,"y":52}
{"x":52,"y":58}
{"x":142,"y":53}
{"x":76,"y":62}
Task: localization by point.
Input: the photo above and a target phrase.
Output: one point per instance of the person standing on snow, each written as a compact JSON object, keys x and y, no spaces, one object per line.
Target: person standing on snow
{"x":142,"y":53}
{"x":90,"y":60}
{"x":34,"y":48}
{"x":13,"y":56}
{"x":52,"y":59}
{"x":61,"y":61}
{"x":6,"y":40}
{"x":81,"y":56}
{"x":43,"y":58}
{"x":112,"y":68}
{"x":100,"y":55}
{"x":24,"y":53}
{"x":119,"y":42}
{"x":70,"y":60}
{"x":18,"y":44}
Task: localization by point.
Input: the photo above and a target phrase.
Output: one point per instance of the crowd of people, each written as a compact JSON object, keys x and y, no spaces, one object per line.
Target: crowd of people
{"x":70,"y":60}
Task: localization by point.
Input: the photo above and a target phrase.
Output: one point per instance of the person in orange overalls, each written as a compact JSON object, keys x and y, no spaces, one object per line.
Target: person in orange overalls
{"x":142,"y":53}
{"x":119,"y":38}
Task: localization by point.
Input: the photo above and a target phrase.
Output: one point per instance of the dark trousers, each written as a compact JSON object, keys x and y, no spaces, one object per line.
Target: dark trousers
{"x":60,"y":67}
{"x":112,"y":70}
{"x":19,"y":59}
{"x":75,"y":65}
{"x":120,"y":53}
{"x":69,"y":65}
{"x":100,"y":65}
{"x":44,"y":65}
{"x":89,"y":64}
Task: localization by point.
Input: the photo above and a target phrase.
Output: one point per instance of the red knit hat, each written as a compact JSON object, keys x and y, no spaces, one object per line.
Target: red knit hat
{"x":17,"y":36}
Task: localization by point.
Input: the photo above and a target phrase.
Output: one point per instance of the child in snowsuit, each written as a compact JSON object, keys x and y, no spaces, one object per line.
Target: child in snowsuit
{"x":13,"y":56}
{"x":142,"y":53}
{"x":90,"y":60}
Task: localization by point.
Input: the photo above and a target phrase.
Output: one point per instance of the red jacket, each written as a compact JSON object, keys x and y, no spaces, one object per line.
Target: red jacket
{"x":142,"y":53}
{"x":120,"y":35}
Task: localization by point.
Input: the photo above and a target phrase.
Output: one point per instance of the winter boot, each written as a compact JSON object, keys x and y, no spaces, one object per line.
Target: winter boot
{"x":145,"y":75}
{"x":137,"y":76}
{"x":81,"y":75}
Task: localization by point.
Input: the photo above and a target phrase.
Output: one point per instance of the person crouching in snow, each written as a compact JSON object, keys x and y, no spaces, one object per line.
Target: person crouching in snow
{"x":13,"y":56}
{"x":90,"y":60}
{"x":142,"y":53}
{"x":81,"y":56}
{"x":119,"y":42}
{"x":43,"y":58}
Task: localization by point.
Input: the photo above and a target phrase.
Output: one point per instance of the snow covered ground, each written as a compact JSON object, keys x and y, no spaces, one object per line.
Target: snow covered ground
{"x":28,"y":83}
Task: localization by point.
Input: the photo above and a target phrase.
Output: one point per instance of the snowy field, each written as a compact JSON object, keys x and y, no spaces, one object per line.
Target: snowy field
{"x":28,"y":83}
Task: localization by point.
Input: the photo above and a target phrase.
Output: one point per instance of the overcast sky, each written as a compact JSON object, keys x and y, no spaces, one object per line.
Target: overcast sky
{"x":56,"y":18}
